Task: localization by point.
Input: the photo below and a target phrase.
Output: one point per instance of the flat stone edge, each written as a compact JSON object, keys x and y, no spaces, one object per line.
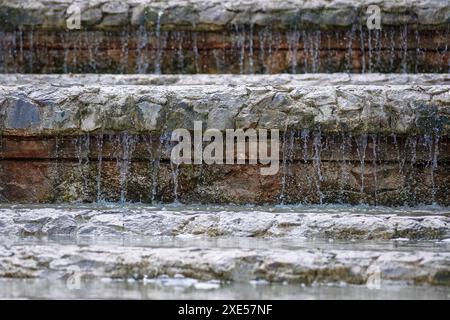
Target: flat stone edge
{"x":77,"y":110}
{"x":214,"y":15}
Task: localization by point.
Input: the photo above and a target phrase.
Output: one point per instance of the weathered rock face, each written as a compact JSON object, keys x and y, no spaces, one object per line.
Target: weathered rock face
{"x":217,"y":15}
{"x":349,"y":143}
{"x":223,"y":37}
{"x":227,"y":264}
{"x":224,"y":221}
{"x":400,"y":109}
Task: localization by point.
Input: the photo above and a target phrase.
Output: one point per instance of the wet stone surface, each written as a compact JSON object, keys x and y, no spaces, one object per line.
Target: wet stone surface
{"x":292,"y":223}
{"x":226,"y":264}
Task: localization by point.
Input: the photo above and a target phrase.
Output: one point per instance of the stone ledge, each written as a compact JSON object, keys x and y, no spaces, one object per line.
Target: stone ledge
{"x":306,"y":266}
{"x":218,"y":15}
{"x":77,"y":110}
{"x":278,"y":80}
{"x":97,"y":223}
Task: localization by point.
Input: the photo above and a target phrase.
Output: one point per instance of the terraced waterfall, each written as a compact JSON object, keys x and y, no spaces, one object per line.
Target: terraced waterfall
{"x":357,"y":208}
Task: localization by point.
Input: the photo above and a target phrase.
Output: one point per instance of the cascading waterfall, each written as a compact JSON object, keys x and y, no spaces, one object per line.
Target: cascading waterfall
{"x":240,"y":44}
{"x":141,"y":50}
{"x":351,"y":36}
{"x":404,"y":39}
{"x":317,"y":149}
{"x":391,"y":50}
{"x":362,"y":48}
{"x":124,"y":51}
{"x":412,"y":144}
{"x":66,"y":54}
{"x":99,"y":139}
{"x":293,"y":39}
{"x":305,"y":51}
{"x":374,"y":139}
{"x":154,"y":163}
{"x":127,"y":143}
{"x":418,"y":52}
{"x":180,"y":55}
{"x":195,"y":49}
{"x":250,"y":53}
{"x":305,"y":138}
{"x":82,"y":151}
{"x":345,"y":148}
{"x":159,"y":44}
{"x":287,"y":158}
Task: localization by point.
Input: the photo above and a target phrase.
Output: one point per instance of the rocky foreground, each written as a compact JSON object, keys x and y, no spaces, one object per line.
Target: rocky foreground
{"x":319,"y":224}
{"x":376,"y":139}
{"x":227,"y":264}
{"x":309,"y":246}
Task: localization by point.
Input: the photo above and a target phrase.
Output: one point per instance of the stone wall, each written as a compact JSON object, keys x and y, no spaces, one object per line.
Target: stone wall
{"x":223,"y":37}
{"x":350,"y":143}
{"x":215,"y":15}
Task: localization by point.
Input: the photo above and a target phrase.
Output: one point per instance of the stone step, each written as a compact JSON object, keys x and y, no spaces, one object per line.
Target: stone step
{"x":55,"y":109}
{"x":211,"y":36}
{"x":344,"y":140}
{"x":298,"y":266}
{"x":255,"y":80}
{"x":281,"y":224}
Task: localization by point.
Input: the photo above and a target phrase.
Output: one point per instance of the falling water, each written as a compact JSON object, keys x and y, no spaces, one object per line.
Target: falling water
{"x":124,"y":51}
{"x":315,"y":51}
{"x":127,"y":143}
{"x":262,"y":58}
{"x":375,"y":166}
{"x":412,"y":142}
{"x":397,"y":151}
{"x":21,"y":46}
{"x":305,"y":50}
{"x":293,"y":39}
{"x":361,"y":149}
{"x":317,"y":144}
{"x":434,"y":166}
{"x":351,"y":36}
{"x":57,"y":168}
{"x":277,"y":43}
{"x":345,"y":149}
{"x":75,"y":53}
{"x":180,"y":56}
{"x":250,"y":54}
{"x":92,"y":40}
{"x":141,"y":50}
{"x":362,"y":48}
{"x":288,"y":153}
{"x":405,"y":49}
{"x":158,"y":44}
{"x":155,"y":159}
{"x":99,"y":166}
{"x":432,"y":144}
{"x":13,"y":51}
{"x":378,"y":48}
{"x":305,"y":137}
{"x":175,"y":172}
{"x":391,"y":50}
{"x":369,"y":43}
{"x":66,"y":54}
{"x":195,"y":49}
{"x":30,"y":51}
{"x":240,"y":44}
{"x":82,"y":149}
{"x":418,"y":52}
{"x":270,"y":39}
{"x":2,"y":52}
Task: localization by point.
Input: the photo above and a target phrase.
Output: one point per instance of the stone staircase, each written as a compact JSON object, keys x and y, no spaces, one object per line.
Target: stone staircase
{"x":86,"y":116}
